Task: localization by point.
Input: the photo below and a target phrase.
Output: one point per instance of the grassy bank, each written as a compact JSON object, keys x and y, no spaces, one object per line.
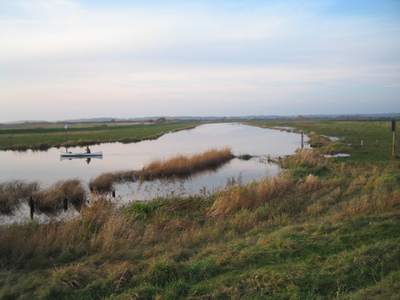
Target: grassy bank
{"x":368,"y":141}
{"x":323,"y":229}
{"x":43,"y":138}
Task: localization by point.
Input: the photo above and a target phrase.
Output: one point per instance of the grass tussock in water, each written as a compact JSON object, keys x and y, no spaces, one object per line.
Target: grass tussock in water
{"x":51,"y":200}
{"x":182,"y":166}
{"x":12,"y":193}
{"x":104,"y":183}
{"x":177,"y":166}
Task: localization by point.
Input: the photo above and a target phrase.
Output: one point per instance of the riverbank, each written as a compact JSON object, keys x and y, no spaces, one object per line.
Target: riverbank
{"x":45,"y":137}
{"x":325,"y":228}
{"x":368,"y":141}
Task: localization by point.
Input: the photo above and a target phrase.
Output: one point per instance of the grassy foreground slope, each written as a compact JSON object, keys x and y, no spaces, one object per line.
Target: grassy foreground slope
{"x":324,"y":229}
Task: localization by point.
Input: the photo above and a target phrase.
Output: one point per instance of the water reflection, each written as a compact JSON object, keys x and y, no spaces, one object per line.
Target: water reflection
{"x":88,"y":159}
{"x":235,"y":172}
{"x":47,"y":168}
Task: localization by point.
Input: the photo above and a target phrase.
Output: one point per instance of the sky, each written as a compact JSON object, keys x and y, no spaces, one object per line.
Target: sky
{"x":70,"y":59}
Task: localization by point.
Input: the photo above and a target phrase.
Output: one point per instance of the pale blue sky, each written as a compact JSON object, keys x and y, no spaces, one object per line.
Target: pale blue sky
{"x":64,"y":59}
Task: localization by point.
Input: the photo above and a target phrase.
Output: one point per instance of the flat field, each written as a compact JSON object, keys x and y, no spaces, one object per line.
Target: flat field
{"x":366,"y":140}
{"x":46,"y":136}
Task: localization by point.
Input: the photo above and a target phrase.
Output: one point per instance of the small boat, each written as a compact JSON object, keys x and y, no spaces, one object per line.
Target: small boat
{"x":84,"y":154}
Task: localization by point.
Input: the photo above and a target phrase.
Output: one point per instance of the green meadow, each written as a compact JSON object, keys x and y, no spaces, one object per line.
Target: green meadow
{"x":47,"y":136}
{"x":326,"y":228}
{"x":368,"y":141}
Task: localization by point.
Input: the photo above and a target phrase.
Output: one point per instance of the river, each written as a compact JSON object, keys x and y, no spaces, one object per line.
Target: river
{"x":46,"y":167}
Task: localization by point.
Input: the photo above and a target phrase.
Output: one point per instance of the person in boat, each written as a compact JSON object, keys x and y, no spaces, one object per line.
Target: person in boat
{"x":87,"y":149}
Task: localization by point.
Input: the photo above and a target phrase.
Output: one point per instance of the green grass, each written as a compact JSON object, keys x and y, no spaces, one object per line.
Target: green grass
{"x":43,"y":138}
{"x":351,"y":133}
{"x":324,"y":229}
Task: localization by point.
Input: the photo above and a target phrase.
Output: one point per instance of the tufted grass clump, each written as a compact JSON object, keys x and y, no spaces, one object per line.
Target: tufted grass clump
{"x":52,"y":200}
{"x":183,"y":166}
{"x":177,"y":166}
{"x":13,"y":193}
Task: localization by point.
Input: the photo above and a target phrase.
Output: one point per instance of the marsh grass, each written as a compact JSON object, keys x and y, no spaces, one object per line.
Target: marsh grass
{"x":51,"y":200}
{"x":305,"y":162}
{"x":105,"y":182}
{"x":183,"y":166}
{"x":179,"y":166}
{"x":12,"y":193}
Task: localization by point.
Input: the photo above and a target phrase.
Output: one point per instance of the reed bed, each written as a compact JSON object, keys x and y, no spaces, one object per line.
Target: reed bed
{"x":178,"y":166}
{"x":104,"y":183}
{"x":12,"y":193}
{"x":52,"y":200}
{"x":183,"y":166}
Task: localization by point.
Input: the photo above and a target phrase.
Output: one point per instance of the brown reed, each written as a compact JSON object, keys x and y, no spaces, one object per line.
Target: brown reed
{"x":183,"y":166}
{"x":251,"y":196}
{"x":104,"y":183}
{"x":176,"y":166}
{"x":51,"y":200}
{"x":12,"y":193}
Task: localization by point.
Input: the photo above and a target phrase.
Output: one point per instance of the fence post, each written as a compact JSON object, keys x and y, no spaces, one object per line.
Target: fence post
{"x":32,"y":206}
{"x":65,"y":204}
{"x":394,"y":138}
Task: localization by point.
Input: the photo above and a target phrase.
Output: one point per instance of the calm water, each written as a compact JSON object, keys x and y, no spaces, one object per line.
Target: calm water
{"x":47,"y":168}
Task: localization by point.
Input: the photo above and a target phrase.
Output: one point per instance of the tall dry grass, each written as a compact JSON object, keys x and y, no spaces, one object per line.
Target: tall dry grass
{"x":268,"y":191}
{"x":305,"y":158}
{"x":177,"y":166}
{"x":104,"y":183}
{"x":99,"y":227}
{"x":182,"y":166}
{"x":51,"y":200}
{"x":12,"y":193}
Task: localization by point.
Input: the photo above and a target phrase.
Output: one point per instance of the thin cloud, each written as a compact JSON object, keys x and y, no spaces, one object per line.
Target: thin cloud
{"x":251,"y":54}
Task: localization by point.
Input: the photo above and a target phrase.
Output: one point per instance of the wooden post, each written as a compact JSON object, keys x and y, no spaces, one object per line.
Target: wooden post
{"x":32,"y":206}
{"x":302,"y":139}
{"x":65,"y":204}
{"x":394,"y":138}
{"x":362,"y":143}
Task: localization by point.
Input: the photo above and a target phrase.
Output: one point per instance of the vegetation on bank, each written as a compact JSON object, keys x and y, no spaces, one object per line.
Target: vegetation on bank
{"x":323,"y":229}
{"x":179,"y":166}
{"x":368,"y":141}
{"x":43,"y":138}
